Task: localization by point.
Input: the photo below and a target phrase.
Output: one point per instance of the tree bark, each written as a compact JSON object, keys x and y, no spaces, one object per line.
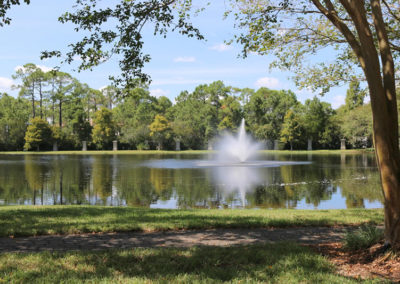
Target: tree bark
{"x":382,"y":89}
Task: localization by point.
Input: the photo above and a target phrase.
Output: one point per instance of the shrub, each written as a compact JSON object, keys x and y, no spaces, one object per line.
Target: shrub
{"x":364,"y":237}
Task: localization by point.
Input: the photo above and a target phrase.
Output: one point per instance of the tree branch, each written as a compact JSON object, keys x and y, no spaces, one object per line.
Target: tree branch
{"x":390,"y":11}
{"x":332,"y":15}
{"x":384,"y":47}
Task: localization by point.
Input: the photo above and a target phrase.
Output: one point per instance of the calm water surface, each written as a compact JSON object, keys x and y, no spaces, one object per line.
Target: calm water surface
{"x":315,"y":181}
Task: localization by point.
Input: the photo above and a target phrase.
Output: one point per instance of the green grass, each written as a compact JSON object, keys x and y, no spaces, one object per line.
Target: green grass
{"x":366,"y":236}
{"x":277,"y":263}
{"x":40,"y":220}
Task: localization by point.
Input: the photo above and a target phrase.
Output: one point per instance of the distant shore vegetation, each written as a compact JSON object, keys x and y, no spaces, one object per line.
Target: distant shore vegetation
{"x":53,"y":108}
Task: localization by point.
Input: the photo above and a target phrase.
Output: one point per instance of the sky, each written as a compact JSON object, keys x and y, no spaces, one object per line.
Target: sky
{"x":178,"y":63}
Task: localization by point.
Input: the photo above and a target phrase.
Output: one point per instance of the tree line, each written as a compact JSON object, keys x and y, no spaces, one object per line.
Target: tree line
{"x":53,"y":107}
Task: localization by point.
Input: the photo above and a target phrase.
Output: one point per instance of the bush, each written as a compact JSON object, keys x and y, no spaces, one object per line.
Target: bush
{"x":38,"y":135}
{"x":364,"y":237}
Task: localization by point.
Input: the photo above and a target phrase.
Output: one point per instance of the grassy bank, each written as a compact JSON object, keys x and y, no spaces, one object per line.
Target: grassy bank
{"x":38,"y":220}
{"x":277,"y":263}
{"x":155,"y":152}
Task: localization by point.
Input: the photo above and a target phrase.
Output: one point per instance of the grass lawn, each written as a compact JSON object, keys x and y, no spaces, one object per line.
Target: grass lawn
{"x":277,"y":263}
{"x":41,"y":220}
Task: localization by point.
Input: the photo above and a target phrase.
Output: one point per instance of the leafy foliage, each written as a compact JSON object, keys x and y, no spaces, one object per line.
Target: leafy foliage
{"x":5,"y":5}
{"x":117,"y":31}
{"x":14,"y":117}
{"x":266,"y":111}
{"x":38,"y":134}
{"x":104,"y":130}
{"x":291,"y":128}
{"x":356,"y":126}
{"x":159,"y":130}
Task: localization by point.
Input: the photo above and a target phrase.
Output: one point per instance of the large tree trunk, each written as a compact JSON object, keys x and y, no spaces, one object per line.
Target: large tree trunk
{"x":385,"y":130}
{"x":381,"y":83}
{"x":382,"y":88}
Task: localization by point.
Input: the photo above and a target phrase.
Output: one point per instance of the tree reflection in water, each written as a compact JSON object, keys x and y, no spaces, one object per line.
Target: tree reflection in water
{"x":123,"y":180}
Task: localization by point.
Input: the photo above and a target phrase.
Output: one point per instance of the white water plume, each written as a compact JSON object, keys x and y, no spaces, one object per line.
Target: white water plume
{"x":239,"y":148}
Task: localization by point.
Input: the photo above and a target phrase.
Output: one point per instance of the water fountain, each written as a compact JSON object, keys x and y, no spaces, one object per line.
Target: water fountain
{"x":237,"y":166}
{"x":237,"y":149}
{"x":232,"y":151}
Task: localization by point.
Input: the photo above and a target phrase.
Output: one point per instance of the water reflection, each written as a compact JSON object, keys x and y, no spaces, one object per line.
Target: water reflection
{"x":330,"y":181}
{"x":240,"y":180}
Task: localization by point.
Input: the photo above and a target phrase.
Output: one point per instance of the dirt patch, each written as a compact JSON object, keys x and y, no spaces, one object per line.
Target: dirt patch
{"x":362,"y":264}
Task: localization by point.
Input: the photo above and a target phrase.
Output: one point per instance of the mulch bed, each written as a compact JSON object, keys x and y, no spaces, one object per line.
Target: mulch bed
{"x":362,"y":264}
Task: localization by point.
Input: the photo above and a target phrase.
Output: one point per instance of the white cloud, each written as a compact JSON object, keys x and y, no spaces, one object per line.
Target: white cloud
{"x":5,"y":84}
{"x":221,"y":47}
{"x":42,"y":67}
{"x":158,"y":93}
{"x":185,"y":59}
{"x":269,"y":82}
{"x":338,"y":101}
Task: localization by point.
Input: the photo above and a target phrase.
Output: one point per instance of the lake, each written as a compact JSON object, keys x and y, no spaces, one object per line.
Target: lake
{"x":299,"y":181}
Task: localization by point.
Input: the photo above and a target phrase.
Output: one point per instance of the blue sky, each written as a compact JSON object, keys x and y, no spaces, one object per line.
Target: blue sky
{"x":178,"y":63}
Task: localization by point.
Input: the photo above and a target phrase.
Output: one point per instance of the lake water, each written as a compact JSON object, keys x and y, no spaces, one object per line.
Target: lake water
{"x":313,"y":181}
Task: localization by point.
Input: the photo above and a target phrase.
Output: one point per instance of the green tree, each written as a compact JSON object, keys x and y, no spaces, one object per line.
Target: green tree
{"x":110,"y":94}
{"x":190,"y":120}
{"x":104,"y":130}
{"x":265,"y":112}
{"x":318,"y":123}
{"x":291,"y":129}
{"x":356,"y":126}
{"x":160,"y":130}
{"x":163,"y":105}
{"x":38,"y":134}
{"x":230,"y":113}
{"x":28,"y":86}
{"x":40,"y":78}
{"x":93,"y":101}
{"x":14,"y":117}
{"x":64,"y":84}
{"x":354,"y":95}
{"x":133,"y":115}
{"x":77,"y":127}
{"x":211,"y":96}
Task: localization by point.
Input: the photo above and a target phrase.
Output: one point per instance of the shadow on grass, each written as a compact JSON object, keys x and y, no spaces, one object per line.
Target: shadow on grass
{"x":80,"y":219}
{"x":282,"y":262}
